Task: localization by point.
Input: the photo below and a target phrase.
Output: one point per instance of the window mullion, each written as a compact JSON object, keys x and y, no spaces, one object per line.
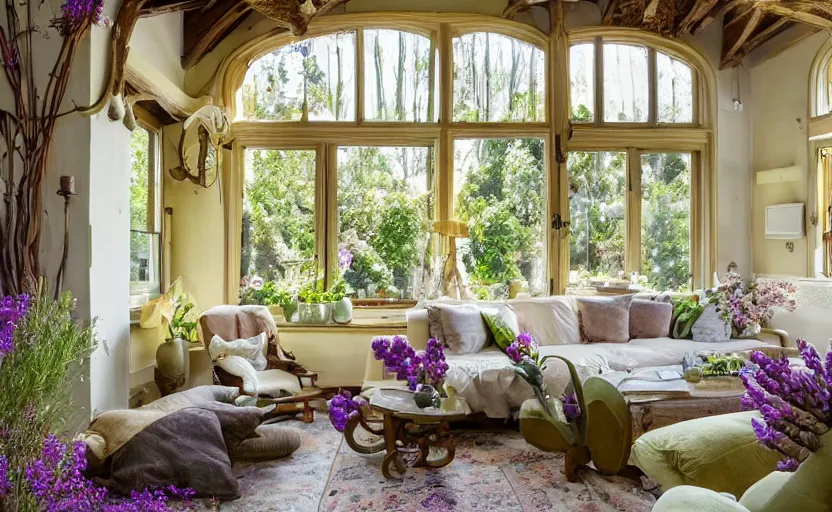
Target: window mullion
{"x":632,"y":235}
{"x":359,"y":76}
{"x":653,"y":88}
{"x":326,"y":216}
{"x":599,"y":81}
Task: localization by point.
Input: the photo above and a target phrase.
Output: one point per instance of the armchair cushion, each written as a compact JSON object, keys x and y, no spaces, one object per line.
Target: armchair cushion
{"x":718,"y":452}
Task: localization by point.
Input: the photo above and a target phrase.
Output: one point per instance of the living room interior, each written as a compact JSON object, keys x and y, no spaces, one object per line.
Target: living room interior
{"x":416,"y":255}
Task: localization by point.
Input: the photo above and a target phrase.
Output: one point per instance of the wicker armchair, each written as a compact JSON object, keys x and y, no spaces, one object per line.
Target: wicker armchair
{"x":237,"y":322}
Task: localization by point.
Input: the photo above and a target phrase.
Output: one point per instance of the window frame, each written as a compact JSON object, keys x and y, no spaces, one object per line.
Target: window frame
{"x":696,"y":138}
{"x":156,"y":209}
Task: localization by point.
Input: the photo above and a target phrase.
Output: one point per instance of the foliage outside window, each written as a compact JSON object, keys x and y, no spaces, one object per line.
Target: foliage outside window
{"x":278,"y":231}
{"x":626,"y":83}
{"x":498,"y":79}
{"x":145,"y":217}
{"x":385,"y":209}
{"x":500,"y":186}
{"x":597,"y":209}
{"x":582,"y":82}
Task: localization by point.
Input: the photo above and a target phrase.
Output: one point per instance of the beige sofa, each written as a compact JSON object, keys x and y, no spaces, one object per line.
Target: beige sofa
{"x":487,"y":379}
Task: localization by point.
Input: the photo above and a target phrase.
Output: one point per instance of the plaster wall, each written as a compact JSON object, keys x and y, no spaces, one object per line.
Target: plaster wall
{"x":779,"y":110}
{"x":159,"y":40}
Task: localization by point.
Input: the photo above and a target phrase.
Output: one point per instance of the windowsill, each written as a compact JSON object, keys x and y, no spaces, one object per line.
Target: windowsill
{"x":373,"y":318}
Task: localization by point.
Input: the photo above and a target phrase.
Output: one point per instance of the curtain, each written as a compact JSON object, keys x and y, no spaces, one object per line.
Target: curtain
{"x":825,"y":170}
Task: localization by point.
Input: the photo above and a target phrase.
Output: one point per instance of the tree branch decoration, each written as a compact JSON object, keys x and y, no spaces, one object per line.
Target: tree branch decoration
{"x":26,"y":134}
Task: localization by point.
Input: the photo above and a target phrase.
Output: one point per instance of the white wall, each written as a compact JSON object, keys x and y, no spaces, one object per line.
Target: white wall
{"x":159,"y":40}
{"x":779,"y":112}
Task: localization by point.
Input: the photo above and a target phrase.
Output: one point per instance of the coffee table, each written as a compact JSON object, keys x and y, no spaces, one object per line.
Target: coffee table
{"x":412,"y":437}
{"x":675,"y":401}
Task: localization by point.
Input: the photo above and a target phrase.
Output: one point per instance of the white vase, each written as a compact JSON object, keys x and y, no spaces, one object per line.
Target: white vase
{"x":313,"y":313}
{"x":343,"y":311}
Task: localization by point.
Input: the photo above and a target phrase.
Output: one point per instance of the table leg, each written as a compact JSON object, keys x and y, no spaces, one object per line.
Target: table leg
{"x":391,"y":435}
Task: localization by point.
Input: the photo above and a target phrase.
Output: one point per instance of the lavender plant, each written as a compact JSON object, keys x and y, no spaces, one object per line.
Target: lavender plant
{"x":795,"y":403}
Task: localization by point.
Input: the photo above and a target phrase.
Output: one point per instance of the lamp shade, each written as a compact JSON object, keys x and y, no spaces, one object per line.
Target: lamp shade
{"x":454,"y":228}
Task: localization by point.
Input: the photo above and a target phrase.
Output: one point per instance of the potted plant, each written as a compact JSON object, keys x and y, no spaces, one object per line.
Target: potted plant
{"x":314,"y":304}
{"x":279,"y":299}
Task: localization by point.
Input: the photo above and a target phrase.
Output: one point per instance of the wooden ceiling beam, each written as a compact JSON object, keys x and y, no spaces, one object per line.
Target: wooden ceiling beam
{"x":515,"y":7}
{"x":817,"y":13}
{"x":660,"y":17}
{"x":700,"y":16}
{"x":159,"y":7}
{"x":292,"y":14}
{"x":206,"y":28}
{"x":737,"y":31}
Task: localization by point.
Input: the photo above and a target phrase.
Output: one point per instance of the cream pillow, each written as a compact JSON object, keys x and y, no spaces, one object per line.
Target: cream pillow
{"x":250,"y":349}
{"x":462,"y":327}
{"x":550,"y":321}
{"x":241,"y":367}
{"x":605,"y":319}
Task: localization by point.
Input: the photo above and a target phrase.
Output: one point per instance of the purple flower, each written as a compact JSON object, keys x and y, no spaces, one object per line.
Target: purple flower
{"x":788,"y":465}
{"x":342,"y":408}
{"x":78,"y":15}
{"x":12,"y":312}
{"x":345,"y":257}
{"x":513,"y":352}
{"x":5,"y":484}
{"x":571,"y":407}
{"x":523,"y":347}
{"x":428,"y":367}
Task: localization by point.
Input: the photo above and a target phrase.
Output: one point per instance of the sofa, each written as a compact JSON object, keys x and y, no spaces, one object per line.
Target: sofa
{"x":487,"y":381}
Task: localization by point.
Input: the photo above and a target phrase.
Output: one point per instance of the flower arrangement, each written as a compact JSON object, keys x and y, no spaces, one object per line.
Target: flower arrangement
{"x":181,"y":322}
{"x":750,"y":307}
{"x":419,"y":369}
{"x":795,"y":403}
{"x":343,"y":407}
{"x":43,"y":351}
{"x":525,"y":354}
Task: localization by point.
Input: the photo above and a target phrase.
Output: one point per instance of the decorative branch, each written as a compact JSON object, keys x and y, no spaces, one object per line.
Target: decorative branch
{"x":26,"y":135}
{"x":292,"y":14}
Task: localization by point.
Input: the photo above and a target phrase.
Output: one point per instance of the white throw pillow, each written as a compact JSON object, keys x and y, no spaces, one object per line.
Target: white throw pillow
{"x":241,"y":367}
{"x":250,"y":349}
{"x":550,"y":321}
{"x":710,"y":326}
{"x":277,"y":383}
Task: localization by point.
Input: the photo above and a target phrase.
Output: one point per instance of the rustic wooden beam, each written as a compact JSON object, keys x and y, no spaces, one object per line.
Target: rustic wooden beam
{"x":736,"y":32}
{"x":700,"y":16}
{"x":205,"y":29}
{"x":817,"y":13}
{"x":514,"y":7}
{"x":609,"y":13}
{"x":159,"y":7}
{"x":660,"y":17}
{"x":292,"y":14}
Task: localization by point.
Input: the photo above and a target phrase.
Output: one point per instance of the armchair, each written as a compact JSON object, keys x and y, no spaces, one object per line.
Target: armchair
{"x":240,"y":322}
{"x":809,"y":489}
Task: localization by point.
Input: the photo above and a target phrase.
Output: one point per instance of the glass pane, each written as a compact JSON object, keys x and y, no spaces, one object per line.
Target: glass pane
{"x":500,"y":187}
{"x":498,"y":78}
{"x":385,"y":210}
{"x":675,"y":90}
{"x":278,"y":231}
{"x":145,"y":267}
{"x":626,"y":83}
{"x":597,"y":208}
{"x":139,"y":179}
{"x":582,"y":82}
{"x":397,"y":77}
{"x":319,"y":72}
{"x":665,"y":220}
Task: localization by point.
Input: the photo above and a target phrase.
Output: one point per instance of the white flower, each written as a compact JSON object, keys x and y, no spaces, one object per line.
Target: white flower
{"x":256,"y":282}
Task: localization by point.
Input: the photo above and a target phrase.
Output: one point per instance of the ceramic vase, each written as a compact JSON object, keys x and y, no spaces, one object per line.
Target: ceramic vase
{"x":343,"y":311}
{"x":172,"y":365}
{"x":427,"y":397}
{"x":313,"y":313}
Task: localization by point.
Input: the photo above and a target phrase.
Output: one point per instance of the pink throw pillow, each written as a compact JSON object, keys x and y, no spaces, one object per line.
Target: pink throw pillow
{"x":604,"y":319}
{"x":649,"y":319}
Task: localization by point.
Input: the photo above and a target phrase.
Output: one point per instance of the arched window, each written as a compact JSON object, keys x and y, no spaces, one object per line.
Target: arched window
{"x":821,"y":82}
{"x":356,"y":140}
{"x":630,"y":84}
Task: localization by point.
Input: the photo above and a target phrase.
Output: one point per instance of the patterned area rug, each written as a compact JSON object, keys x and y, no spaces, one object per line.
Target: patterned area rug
{"x":494,"y":471}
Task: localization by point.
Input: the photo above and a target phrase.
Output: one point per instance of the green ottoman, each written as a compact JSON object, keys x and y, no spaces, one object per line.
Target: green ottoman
{"x":720,"y":453}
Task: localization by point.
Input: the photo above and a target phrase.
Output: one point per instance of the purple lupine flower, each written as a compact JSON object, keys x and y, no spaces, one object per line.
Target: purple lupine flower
{"x":434,"y":363}
{"x":571,"y":407}
{"x":767,"y":435}
{"x":812,"y":359}
{"x":5,"y":483}
{"x":12,"y":312}
{"x":342,"y":408}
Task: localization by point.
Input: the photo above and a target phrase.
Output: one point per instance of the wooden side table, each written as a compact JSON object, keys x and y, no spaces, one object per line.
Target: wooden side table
{"x":412,"y":437}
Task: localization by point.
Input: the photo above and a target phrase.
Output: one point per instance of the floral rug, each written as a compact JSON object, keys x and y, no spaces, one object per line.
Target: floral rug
{"x":493,"y":470}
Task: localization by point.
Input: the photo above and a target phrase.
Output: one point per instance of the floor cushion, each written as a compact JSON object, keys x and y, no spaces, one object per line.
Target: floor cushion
{"x":720,"y":453}
{"x":269,"y":442}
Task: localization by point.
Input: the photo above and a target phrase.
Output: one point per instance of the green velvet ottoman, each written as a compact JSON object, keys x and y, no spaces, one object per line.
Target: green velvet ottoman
{"x":720,"y":453}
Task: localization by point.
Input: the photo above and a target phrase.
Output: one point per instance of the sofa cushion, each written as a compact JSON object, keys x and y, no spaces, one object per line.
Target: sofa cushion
{"x":550,"y":321}
{"x":650,"y":319}
{"x":718,"y":452}
{"x":463,"y":329}
{"x":501,"y":331}
{"x":604,"y":319}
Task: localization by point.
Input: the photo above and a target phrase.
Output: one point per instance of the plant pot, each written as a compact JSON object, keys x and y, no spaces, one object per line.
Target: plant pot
{"x":342,"y":312}
{"x":314,"y":313}
{"x":275,"y":310}
{"x":172,"y":365}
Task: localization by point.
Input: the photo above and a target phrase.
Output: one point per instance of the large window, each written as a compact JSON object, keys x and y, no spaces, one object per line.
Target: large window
{"x":366,"y":146}
{"x":145,"y":216}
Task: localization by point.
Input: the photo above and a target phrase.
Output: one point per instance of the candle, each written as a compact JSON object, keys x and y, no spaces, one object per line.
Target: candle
{"x":68,"y":185}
